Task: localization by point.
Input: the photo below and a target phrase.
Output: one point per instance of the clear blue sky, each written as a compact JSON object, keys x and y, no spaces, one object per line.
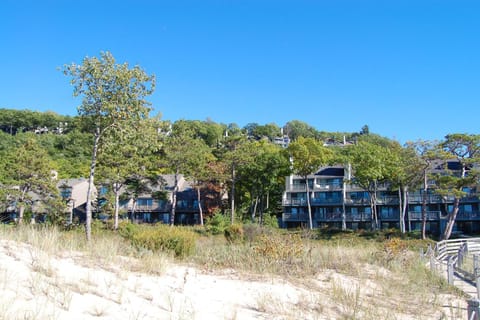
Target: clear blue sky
{"x":407,"y":69}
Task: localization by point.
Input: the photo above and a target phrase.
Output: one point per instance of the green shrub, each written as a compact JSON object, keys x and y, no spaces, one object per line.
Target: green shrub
{"x":234,"y":233}
{"x":178,"y":240}
{"x":127,"y":229}
{"x":217,"y":223}
{"x":270,"y":220}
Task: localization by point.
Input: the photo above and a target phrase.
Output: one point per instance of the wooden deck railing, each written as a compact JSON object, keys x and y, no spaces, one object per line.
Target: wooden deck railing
{"x":462,"y":258}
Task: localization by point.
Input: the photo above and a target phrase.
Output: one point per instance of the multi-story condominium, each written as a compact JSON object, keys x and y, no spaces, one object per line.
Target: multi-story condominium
{"x":149,"y":208}
{"x":152,"y":205}
{"x":334,"y":198}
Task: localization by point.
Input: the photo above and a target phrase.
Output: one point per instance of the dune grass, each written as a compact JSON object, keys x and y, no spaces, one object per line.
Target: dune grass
{"x":348,"y":274}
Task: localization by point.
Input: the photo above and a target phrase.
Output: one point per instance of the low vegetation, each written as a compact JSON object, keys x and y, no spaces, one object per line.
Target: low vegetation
{"x":360,"y":275}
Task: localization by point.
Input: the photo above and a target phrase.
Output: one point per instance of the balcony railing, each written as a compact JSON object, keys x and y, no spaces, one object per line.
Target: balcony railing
{"x":337,"y":216}
{"x":151,"y":207}
{"x":326,"y":201}
{"x":431,"y":215}
{"x":387,"y":200}
{"x":361,"y":201}
{"x":465,"y":216}
{"x":294,"y":202}
{"x":295,"y":217}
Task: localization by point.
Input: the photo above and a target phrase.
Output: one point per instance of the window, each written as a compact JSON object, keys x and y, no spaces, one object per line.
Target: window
{"x":103,"y":191}
{"x":145,"y":202}
{"x":66,"y":193}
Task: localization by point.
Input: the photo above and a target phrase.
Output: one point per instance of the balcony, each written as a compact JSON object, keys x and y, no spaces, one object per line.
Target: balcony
{"x":151,"y":208}
{"x":319,"y":201}
{"x":431,"y":215}
{"x":296,"y":187}
{"x":468,"y":216}
{"x":327,"y":187}
{"x":359,"y":201}
{"x":294,"y":202}
{"x":337,"y":216}
{"x":431,"y":198}
{"x":387,"y":200}
{"x":187,"y":208}
{"x":295,"y":217}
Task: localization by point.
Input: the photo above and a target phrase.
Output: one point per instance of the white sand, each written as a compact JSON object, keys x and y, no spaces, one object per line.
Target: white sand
{"x":35,"y":285}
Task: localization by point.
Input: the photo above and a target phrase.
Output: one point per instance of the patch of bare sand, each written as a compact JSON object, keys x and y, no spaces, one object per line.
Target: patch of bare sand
{"x":37,"y":285}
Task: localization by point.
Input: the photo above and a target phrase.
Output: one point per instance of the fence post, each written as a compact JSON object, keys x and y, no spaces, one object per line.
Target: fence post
{"x":432,"y":264}
{"x":476,"y":274}
{"x":475,"y":265}
{"x":460,"y":256}
{"x":450,"y":270}
{"x":473,"y":309}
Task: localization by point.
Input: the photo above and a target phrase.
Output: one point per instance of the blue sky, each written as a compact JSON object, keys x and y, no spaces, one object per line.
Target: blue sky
{"x":408,"y":69}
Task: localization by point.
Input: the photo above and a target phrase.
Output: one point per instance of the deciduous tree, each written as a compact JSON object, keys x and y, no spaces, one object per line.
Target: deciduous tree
{"x":308,"y":155}
{"x":465,"y":148}
{"x":113,"y":95}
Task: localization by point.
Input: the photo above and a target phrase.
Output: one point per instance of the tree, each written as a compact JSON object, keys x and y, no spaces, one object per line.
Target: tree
{"x":197,"y":167}
{"x":369,"y":166}
{"x":113,"y":96}
{"x":426,"y":153}
{"x":308,"y":155}
{"x":123,"y":155}
{"x":184,"y":154}
{"x":296,"y":128}
{"x":239,"y":152}
{"x":264,"y":176}
{"x":466,"y":150}
{"x":404,"y":171}
{"x":29,"y":175}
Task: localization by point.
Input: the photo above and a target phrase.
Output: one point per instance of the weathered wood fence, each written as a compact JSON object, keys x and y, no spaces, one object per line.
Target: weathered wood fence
{"x":461,"y":258}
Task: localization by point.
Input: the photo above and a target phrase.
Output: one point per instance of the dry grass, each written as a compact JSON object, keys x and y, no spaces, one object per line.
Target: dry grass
{"x":341,"y":278}
{"x":381,"y":280}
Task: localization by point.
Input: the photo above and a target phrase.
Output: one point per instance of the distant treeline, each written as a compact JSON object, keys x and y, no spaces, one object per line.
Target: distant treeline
{"x":13,"y":121}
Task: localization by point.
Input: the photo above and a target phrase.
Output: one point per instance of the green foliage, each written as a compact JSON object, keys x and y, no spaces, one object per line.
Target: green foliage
{"x":217,"y":223}
{"x":296,"y":129}
{"x":234,"y":232}
{"x":127,"y":229}
{"x":179,"y":240}
{"x":270,"y":220}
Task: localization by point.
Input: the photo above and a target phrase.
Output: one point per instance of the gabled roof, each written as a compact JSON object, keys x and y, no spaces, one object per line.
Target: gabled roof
{"x":62,"y":183}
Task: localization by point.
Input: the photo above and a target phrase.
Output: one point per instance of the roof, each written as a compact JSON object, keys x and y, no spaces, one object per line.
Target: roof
{"x":70,"y":182}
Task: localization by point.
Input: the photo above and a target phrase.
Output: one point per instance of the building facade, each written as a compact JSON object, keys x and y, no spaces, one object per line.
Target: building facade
{"x":335,"y":198}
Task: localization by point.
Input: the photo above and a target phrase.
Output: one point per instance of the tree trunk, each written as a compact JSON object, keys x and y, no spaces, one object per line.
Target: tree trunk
{"x":310,"y":220}
{"x":344,"y":213}
{"x":262,"y":210}
{"x":424,"y":205}
{"x":452,"y":216}
{"x":267,"y":206}
{"x":21,"y":211}
{"x":401,"y":216}
{"x":200,"y":210}
{"x":88,"y":222}
{"x":134,"y":209}
{"x":404,"y":208}
{"x":70,"y":214}
{"x":174,"y":199}
{"x":232,"y":200}
{"x":254,"y":211}
{"x":116,"y":190}
{"x":373,"y":206}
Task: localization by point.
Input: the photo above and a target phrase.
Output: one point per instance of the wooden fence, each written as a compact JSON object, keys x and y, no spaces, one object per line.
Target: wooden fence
{"x":459,"y":257}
